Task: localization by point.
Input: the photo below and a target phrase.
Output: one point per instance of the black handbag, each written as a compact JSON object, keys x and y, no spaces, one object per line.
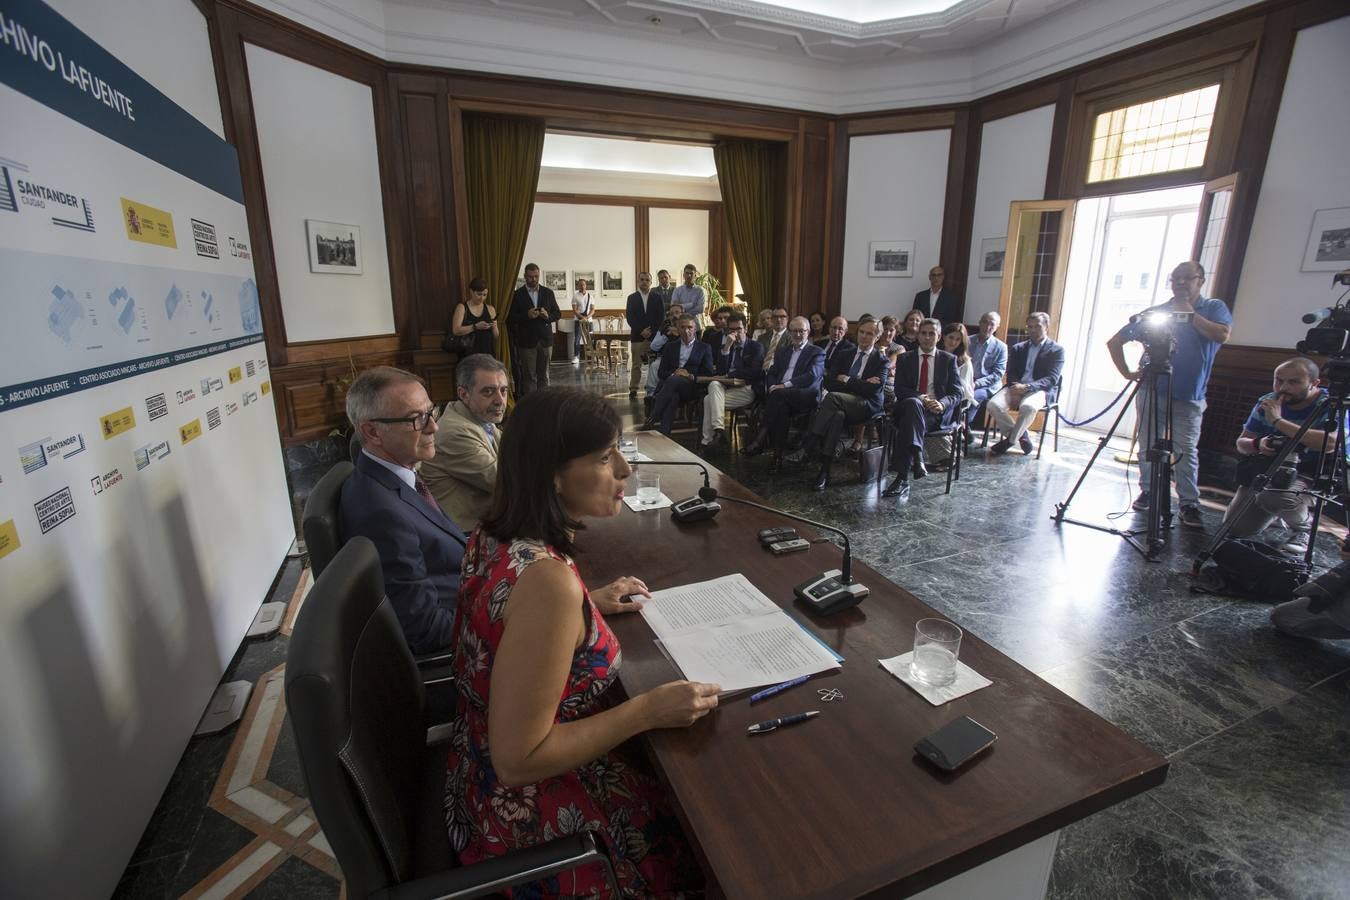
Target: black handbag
{"x":458,"y":344}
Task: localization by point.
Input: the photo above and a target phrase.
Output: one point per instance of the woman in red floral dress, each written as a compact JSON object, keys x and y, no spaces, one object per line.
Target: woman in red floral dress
{"x":533,"y":659}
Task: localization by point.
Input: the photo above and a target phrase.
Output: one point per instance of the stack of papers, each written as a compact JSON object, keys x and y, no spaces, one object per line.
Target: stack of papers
{"x":726,"y":632}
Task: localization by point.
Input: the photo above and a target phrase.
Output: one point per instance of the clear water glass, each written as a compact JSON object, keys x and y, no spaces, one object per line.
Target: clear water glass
{"x":937,"y":643}
{"x":648,"y":488}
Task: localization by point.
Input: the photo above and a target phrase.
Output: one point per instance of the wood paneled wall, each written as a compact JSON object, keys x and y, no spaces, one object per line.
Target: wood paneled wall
{"x":417,"y":127}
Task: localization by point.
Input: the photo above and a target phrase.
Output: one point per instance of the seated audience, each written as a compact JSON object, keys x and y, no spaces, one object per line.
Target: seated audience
{"x":463,"y":472}
{"x":669,"y":331}
{"x":792,"y":386}
{"x":474,"y":316}
{"x":715,"y":334}
{"x":1275,"y":419}
{"x":927,"y":396}
{"x":853,"y":395}
{"x":817,"y":326}
{"x":737,"y":381}
{"x":956,"y":341}
{"x":682,"y":362}
{"x":1036,"y":363}
{"x":908,"y":336}
{"x":775,"y":336}
{"x":420,"y":547}
{"x":836,"y":341}
{"x":988,"y":361}
{"x":763,"y":324}
{"x":541,"y":745}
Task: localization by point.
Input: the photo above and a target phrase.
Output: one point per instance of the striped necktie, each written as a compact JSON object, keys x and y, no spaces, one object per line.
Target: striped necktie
{"x":425,"y":491}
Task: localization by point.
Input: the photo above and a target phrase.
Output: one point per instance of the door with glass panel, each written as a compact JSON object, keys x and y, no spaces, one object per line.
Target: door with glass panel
{"x":1034,"y":265}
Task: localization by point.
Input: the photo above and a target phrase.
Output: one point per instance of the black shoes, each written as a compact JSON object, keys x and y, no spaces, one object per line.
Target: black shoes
{"x":1025,"y":443}
{"x":898,"y":487}
{"x":796,"y":457}
{"x":918,"y":468}
{"x":1001,"y":447}
{"x":632,"y":395}
{"x":756,"y":445}
{"x":823,"y":477}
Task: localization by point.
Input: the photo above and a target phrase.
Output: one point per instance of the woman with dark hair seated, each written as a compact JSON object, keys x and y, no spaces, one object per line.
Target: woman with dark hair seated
{"x":956,"y":341}
{"x":534,"y":659}
{"x":818,"y":325}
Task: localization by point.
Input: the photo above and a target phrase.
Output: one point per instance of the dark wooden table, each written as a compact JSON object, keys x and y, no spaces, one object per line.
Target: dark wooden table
{"x":841,"y":806}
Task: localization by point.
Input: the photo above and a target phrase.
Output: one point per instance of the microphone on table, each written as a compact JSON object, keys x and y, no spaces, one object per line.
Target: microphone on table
{"x":829,"y":592}
{"x":691,"y":509}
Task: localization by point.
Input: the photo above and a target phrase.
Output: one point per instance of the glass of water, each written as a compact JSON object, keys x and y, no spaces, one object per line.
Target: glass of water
{"x":937,"y":643}
{"x":648,"y":488}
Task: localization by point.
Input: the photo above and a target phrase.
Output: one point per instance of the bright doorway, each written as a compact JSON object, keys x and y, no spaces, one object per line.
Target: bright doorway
{"x":1121,"y":252}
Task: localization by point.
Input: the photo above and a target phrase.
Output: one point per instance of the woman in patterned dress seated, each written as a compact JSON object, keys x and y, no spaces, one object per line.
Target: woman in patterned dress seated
{"x":533,"y":661}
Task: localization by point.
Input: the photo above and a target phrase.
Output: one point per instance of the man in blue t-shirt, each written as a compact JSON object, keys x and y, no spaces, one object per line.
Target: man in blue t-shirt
{"x":1277,"y":417}
{"x":1197,"y":342}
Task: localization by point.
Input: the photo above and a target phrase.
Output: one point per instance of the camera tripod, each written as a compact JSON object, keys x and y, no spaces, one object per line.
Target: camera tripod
{"x":1159,"y":454}
{"x":1331,"y":484}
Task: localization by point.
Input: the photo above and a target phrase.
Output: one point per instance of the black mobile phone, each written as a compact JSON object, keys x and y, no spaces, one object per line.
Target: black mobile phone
{"x":954,"y":744}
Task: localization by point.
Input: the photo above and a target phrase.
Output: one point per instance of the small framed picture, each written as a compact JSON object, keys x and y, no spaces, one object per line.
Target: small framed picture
{"x":611,"y":284}
{"x":588,"y":274}
{"x":1329,"y":242}
{"x":992,"y":251}
{"x":334,"y":248}
{"x":555,"y":280}
{"x":890,"y":259}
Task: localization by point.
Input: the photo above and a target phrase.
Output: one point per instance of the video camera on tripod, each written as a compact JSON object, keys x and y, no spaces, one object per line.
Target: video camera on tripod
{"x":1330,"y":336}
{"x":1158,"y":327}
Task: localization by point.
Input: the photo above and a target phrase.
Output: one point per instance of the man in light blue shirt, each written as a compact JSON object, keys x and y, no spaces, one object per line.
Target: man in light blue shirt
{"x":691,"y":297}
{"x":1196,"y":343}
{"x":988,"y":362}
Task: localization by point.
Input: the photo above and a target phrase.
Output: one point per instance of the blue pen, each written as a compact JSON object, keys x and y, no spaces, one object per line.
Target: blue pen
{"x":773,"y":724}
{"x":778,"y":688}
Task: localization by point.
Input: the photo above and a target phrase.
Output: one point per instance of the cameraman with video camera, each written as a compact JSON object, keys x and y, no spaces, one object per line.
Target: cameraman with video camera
{"x":1195,"y":325}
{"x":1275,"y":419}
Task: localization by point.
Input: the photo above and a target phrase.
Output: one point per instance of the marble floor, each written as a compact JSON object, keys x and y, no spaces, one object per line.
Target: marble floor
{"x":1256,"y":725}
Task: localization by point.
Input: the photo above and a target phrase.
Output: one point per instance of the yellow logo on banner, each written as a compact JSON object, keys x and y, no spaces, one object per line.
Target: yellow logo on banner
{"x":191,"y":430}
{"x":236,"y":374}
{"x":9,"y":538}
{"x":267,"y":387}
{"x":147,"y":224}
{"x":114,"y":423}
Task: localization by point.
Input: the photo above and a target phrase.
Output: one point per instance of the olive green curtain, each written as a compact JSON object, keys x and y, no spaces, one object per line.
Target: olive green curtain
{"x":752,"y":179}
{"x":501,"y":175}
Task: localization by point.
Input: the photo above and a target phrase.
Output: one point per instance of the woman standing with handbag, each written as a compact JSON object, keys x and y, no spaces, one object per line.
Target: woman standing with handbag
{"x":473,"y":324}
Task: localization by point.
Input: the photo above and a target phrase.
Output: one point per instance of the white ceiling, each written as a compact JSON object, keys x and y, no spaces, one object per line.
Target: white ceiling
{"x":746,"y":51}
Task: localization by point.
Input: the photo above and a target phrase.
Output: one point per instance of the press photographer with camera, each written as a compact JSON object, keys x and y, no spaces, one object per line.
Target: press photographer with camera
{"x":1275,"y":419}
{"x":1193,"y":326}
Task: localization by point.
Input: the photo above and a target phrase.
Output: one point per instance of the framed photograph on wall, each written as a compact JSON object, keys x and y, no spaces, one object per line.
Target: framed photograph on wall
{"x":578,"y":274}
{"x":1329,"y":242}
{"x":556,"y":281}
{"x":611,"y":284}
{"x":890,"y":259}
{"x":992,"y":251}
{"x":334,"y":248}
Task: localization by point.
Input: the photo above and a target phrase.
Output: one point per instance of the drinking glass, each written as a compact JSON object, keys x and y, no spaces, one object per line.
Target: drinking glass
{"x":649,"y":488}
{"x":937,"y":643}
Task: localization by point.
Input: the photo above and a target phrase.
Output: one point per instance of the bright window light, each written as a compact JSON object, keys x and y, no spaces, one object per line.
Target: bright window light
{"x":864,"y":11}
{"x":574,"y":151}
{"x":1163,"y":135}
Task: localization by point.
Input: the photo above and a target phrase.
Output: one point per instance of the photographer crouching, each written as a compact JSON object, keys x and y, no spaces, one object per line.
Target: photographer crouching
{"x":1194,"y":344}
{"x":1275,"y":419}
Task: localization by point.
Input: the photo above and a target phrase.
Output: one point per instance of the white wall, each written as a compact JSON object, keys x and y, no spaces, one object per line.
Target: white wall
{"x":1014,"y":154}
{"x":165,"y":41}
{"x":1305,"y":172}
{"x":316,"y":135}
{"x":678,"y":237}
{"x":586,"y":238}
{"x":897,"y":186}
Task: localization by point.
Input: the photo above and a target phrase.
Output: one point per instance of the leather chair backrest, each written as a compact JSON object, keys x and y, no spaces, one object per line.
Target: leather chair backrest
{"x":355,"y":703}
{"x":320,"y":519}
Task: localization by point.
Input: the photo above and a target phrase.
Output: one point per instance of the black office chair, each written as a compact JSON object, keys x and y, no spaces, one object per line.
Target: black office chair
{"x":319,"y":521}
{"x":356,"y":706}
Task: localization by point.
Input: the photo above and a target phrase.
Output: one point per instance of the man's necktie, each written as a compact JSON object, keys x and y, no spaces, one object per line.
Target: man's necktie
{"x":731,"y":363}
{"x":923,"y":373}
{"x":491,"y":432}
{"x":857,"y":366}
{"x":425,"y":491}
{"x":769,"y":354}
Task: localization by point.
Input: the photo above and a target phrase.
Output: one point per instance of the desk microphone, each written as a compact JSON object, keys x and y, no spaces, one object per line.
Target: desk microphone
{"x":829,"y":592}
{"x":690,"y":509}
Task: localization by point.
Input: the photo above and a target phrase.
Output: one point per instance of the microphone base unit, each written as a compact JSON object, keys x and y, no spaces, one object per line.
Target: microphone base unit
{"x":694,"y":509}
{"x":826,"y":594}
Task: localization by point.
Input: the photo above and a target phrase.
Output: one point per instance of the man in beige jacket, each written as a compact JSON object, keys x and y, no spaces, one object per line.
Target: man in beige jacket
{"x":464,"y":471}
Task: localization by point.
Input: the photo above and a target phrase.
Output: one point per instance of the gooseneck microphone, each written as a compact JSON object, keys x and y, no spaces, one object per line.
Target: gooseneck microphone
{"x":690,"y":509}
{"x":829,"y":592}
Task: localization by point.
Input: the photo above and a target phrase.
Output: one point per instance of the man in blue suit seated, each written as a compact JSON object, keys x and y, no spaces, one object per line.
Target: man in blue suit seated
{"x":737,"y":379}
{"x":682,"y":362}
{"x":927,"y":396}
{"x":988,"y":362}
{"x":792,"y":386}
{"x":853,"y":395}
{"x":420,"y":547}
{"x":1034,"y":368}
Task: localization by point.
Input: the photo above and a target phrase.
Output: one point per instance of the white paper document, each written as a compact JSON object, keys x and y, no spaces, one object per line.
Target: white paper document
{"x":727,"y":632}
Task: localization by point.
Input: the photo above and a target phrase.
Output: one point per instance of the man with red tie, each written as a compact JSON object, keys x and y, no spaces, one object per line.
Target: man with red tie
{"x":927,"y":394}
